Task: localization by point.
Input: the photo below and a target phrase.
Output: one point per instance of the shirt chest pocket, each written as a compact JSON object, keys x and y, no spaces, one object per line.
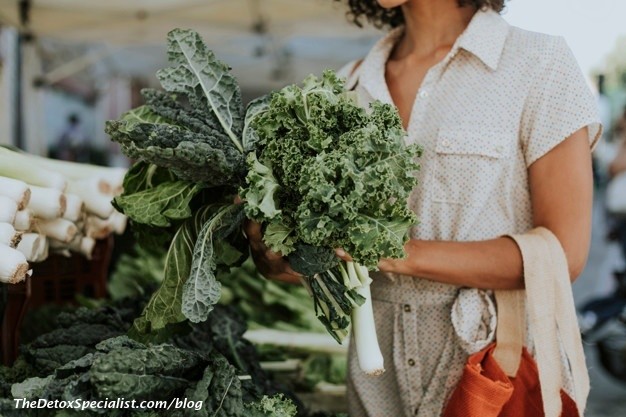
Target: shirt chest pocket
{"x":470,"y":165}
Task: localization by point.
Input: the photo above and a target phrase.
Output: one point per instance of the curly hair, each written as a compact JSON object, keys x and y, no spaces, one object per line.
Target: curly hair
{"x":380,"y":17}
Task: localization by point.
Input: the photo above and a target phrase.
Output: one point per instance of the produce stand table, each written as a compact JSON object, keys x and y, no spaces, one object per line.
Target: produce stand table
{"x":57,"y":280}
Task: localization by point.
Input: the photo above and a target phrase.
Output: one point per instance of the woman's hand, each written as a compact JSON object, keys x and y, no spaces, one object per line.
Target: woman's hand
{"x":398,"y":266}
{"x":270,"y":264}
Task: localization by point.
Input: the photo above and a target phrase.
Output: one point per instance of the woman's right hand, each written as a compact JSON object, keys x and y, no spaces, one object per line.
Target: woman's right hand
{"x":270,"y":264}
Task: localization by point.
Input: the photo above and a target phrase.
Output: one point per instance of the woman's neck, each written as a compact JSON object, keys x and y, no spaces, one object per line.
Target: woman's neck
{"x":431,"y":25}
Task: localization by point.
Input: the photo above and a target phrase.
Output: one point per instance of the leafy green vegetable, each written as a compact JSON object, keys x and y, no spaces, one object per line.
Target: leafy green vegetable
{"x":160,"y":205}
{"x":165,"y":306}
{"x":202,"y":290}
{"x":276,"y":406}
{"x":334,"y":175}
{"x":136,"y":273}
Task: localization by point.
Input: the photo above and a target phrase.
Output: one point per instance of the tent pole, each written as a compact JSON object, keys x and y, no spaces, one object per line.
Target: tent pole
{"x":22,"y":35}
{"x":18,"y":116}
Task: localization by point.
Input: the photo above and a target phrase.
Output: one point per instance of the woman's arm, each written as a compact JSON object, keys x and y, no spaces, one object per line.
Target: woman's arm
{"x":561,"y":188}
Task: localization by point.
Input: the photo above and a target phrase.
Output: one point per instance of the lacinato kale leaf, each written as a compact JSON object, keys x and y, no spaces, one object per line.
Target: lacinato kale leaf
{"x":202,"y":291}
{"x":195,"y":129}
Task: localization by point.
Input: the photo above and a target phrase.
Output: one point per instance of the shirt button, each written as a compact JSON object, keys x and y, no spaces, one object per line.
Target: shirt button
{"x":499,"y":148}
{"x":445,"y":143}
{"x":407,"y":308}
{"x":411,"y":362}
{"x":423,"y":94}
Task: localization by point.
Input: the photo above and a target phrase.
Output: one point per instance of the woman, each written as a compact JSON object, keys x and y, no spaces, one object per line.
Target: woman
{"x":506,"y":122}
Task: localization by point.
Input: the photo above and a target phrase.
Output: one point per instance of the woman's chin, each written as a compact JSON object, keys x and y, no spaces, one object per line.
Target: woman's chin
{"x":390,"y":4}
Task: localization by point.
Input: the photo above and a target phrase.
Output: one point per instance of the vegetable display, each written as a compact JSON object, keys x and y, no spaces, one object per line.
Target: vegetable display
{"x":313,"y":167}
{"x":88,"y":357}
{"x":53,"y":206}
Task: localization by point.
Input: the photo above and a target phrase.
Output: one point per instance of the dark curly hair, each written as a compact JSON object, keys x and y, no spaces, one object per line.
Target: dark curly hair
{"x":380,"y":17}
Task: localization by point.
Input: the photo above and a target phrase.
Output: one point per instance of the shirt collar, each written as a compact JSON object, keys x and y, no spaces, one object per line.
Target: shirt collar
{"x":485,"y":36}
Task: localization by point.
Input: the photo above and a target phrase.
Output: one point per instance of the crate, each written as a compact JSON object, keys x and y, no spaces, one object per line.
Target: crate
{"x":57,"y":280}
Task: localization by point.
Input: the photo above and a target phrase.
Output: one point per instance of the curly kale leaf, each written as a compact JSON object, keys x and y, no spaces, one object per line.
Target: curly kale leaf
{"x":276,"y":406}
{"x":342,"y":175}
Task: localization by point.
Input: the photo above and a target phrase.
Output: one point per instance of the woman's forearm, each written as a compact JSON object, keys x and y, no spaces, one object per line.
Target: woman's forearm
{"x":489,"y":264}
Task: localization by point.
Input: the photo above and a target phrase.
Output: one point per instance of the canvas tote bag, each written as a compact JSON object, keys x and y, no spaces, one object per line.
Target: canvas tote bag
{"x":503,"y":380}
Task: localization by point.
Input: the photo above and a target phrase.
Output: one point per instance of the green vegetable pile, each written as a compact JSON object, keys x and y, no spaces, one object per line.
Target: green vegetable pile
{"x":313,"y":167}
{"x":89,"y":357}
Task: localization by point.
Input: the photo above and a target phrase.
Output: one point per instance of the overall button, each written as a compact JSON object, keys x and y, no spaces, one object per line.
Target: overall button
{"x":407,"y":308}
{"x":411,"y":362}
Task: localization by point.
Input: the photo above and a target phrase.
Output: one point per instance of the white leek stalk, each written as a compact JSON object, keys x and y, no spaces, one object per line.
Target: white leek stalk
{"x":74,"y":208}
{"x":97,"y":228}
{"x":118,"y":222}
{"x":44,"y":250}
{"x":59,"y":229}
{"x":63,"y":252}
{"x":113,"y":176}
{"x":13,"y":265}
{"x":47,"y":203}
{"x":8,"y":209}
{"x":8,"y":235}
{"x":24,"y":220}
{"x":95,"y":200}
{"x":363,"y":325}
{"x":21,"y":167}
{"x":31,"y":246}
{"x":83,"y":245}
{"x":16,"y":190}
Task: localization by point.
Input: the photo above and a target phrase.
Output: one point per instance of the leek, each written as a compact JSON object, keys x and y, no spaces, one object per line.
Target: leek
{"x":13,"y":265}
{"x":8,"y":210}
{"x":22,"y":167}
{"x":47,"y":203}
{"x":59,"y":229}
{"x":16,"y":190}
{"x":24,"y":220}
{"x":95,"y":200}
{"x":8,"y":235}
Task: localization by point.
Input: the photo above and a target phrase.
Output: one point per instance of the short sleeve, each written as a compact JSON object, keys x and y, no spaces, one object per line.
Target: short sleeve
{"x":559,"y":103}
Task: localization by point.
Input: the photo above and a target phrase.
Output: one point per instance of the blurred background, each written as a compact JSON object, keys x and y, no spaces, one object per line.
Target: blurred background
{"x":67,"y":66}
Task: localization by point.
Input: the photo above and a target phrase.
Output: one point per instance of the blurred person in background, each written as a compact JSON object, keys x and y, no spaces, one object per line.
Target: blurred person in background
{"x":506,"y":120}
{"x":72,"y":144}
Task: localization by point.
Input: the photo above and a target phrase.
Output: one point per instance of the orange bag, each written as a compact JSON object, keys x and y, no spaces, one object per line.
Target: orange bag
{"x":503,"y":380}
{"x":486,"y":391}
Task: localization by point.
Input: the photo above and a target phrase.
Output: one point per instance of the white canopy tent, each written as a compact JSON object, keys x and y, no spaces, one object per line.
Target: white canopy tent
{"x":268,"y":43}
